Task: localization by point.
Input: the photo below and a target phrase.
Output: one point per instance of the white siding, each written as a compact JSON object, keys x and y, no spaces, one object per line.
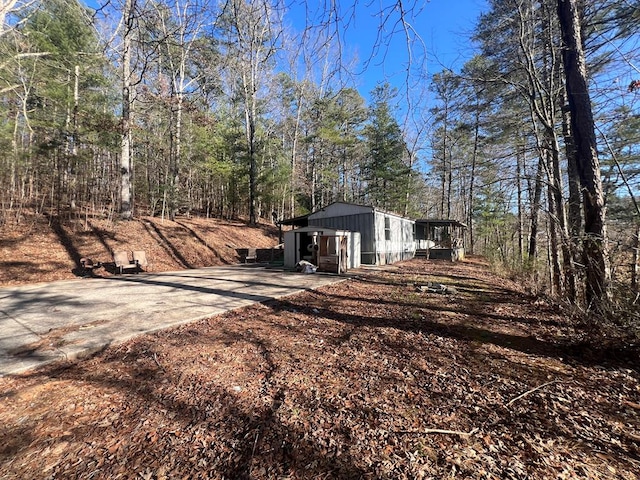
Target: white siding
{"x":397,"y":242}
{"x":379,"y":245}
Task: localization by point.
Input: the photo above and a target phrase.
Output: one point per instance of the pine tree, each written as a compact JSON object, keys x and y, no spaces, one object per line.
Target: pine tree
{"x":386,"y":173}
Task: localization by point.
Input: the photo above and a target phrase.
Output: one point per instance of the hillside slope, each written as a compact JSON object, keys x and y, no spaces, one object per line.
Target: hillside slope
{"x":41,"y":249}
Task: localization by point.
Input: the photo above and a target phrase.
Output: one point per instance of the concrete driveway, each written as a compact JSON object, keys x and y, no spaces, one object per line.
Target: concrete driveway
{"x":43,"y":323}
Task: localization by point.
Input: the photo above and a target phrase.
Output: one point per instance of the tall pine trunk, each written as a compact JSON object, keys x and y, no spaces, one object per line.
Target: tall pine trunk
{"x":588,"y":166}
{"x":574,"y":211}
{"x":472,"y":179}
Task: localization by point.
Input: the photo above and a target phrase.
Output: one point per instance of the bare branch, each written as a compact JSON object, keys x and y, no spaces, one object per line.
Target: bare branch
{"x":529,"y":392}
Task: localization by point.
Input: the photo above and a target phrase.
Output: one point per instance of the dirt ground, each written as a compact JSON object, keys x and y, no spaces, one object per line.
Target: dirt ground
{"x":372,"y":378}
{"x":42,"y":249}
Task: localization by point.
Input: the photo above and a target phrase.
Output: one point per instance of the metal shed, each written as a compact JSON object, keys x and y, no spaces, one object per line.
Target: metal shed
{"x":385,"y":237}
{"x":329,"y":249}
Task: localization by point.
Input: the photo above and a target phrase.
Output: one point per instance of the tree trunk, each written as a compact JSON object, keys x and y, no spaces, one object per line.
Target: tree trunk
{"x":554,"y":260}
{"x":535,"y":211}
{"x":74,"y":134}
{"x":520,"y":159}
{"x":472,"y":180}
{"x":636,"y":257}
{"x":250,"y":133}
{"x":175,"y":153}
{"x":588,"y":166}
{"x":294,"y":153}
{"x":556,"y":188}
{"x":449,"y":185}
{"x":444,"y":160}
{"x":126,"y":204}
{"x":407,"y":197}
{"x":574,"y":212}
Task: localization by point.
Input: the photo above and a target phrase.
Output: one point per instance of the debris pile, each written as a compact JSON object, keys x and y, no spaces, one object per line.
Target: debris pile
{"x":304,"y":266}
{"x":432,"y":287}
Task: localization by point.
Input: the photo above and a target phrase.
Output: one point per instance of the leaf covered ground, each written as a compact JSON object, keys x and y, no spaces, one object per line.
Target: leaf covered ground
{"x":369,"y":378}
{"x":47,"y":248}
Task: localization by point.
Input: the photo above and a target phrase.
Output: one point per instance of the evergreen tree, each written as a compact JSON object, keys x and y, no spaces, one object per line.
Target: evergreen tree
{"x":385,"y":170}
{"x":61,"y":95}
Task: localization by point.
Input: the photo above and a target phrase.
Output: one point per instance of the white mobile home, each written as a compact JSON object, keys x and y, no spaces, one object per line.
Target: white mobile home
{"x":384,"y":237}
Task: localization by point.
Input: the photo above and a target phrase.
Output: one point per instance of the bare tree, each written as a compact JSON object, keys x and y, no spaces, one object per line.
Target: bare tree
{"x":253,"y":30}
{"x":128,"y":26}
{"x":181,"y":22}
{"x":7,"y":8}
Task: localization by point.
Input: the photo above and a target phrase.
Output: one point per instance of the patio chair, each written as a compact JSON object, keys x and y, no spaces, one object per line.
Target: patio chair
{"x":140,"y":259}
{"x":121,"y":259}
{"x":251,"y":256}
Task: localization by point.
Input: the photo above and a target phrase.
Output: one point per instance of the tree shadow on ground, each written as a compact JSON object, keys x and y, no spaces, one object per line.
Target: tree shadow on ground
{"x":432,"y":322}
{"x":223,"y":433}
{"x":202,"y":241}
{"x":471,"y":307}
{"x":68,"y":244}
{"x":166,"y":244}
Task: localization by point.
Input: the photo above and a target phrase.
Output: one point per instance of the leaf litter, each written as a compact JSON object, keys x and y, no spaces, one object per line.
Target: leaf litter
{"x":368,"y":378}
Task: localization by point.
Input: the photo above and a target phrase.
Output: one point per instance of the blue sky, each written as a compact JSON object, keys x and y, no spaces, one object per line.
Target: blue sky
{"x":446,"y":25}
{"x":442,"y":27}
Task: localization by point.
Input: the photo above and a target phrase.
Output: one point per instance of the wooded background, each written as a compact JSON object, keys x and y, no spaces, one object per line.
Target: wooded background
{"x":222,"y":109}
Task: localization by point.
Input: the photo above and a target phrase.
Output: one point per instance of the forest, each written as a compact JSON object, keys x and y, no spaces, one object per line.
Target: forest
{"x":222,"y":108}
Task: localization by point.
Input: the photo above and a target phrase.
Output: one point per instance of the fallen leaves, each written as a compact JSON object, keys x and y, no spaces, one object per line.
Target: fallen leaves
{"x":364,"y":379}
